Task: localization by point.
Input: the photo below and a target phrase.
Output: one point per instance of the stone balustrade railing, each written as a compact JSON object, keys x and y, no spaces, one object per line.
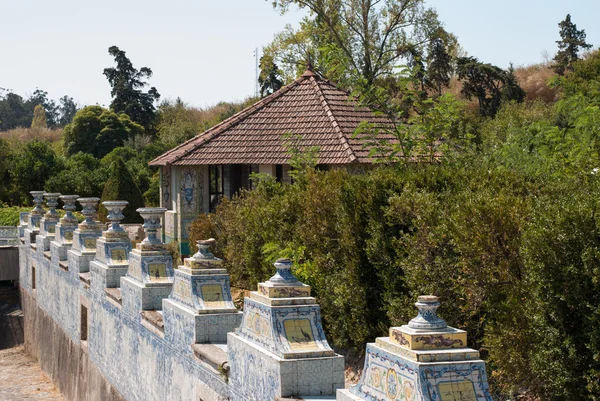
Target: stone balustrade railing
{"x":138,"y":327}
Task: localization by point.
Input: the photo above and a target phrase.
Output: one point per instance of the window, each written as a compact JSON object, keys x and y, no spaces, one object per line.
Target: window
{"x":32,"y":277}
{"x":279,"y":172}
{"x":84,"y":323}
{"x":216,"y":185}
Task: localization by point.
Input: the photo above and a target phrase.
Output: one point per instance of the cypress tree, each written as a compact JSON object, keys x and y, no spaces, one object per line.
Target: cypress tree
{"x":121,"y":186}
{"x":571,"y":42}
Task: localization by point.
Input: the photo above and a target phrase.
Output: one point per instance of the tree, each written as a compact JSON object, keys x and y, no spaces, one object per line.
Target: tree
{"x":81,"y":174}
{"x":363,"y":37}
{"x":51,"y":110}
{"x":270,"y":79}
{"x":32,"y":167}
{"x":571,"y":43}
{"x":489,"y":84}
{"x":121,"y":186}
{"x":98,"y":131}
{"x":127,"y":85}
{"x":39,"y":117}
{"x":13,"y":112}
{"x":67,"y":110}
{"x":439,"y":66}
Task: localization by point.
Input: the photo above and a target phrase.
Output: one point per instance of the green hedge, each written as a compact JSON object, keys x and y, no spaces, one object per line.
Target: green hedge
{"x":514,"y":260}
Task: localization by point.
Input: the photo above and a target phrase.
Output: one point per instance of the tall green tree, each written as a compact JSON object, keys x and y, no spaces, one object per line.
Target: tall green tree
{"x":97,"y":131}
{"x":67,"y":110}
{"x":127,"y":91}
{"x":13,"y":112}
{"x":489,"y":84}
{"x":571,"y":42}
{"x":270,"y":79}
{"x":439,"y":66}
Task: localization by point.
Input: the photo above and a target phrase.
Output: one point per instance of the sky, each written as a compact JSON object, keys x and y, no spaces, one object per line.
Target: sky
{"x":203,"y":50}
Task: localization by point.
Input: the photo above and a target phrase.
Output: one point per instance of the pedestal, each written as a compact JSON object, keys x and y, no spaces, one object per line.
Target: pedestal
{"x":112,"y":249}
{"x":149,"y":278}
{"x":280,"y":348}
{"x":201,"y":300}
{"x":424,"y":360}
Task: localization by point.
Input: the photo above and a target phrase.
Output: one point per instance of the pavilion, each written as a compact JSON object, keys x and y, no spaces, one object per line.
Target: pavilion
{"x":219,"y":161}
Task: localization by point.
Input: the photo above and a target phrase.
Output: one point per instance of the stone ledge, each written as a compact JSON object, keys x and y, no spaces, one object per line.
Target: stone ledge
{"x":85,"y":278}
{"x":47,"y":255}
{"x":114,"y":294}
{"x":153,"y":321}
{"x":214,"y":356}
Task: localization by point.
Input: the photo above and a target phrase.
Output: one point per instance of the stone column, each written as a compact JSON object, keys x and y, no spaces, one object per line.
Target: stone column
{"x":112,"y":250}
{"x":84,"y":238}
{"x":423,"y":361}
{"x":149,"y":278}
{"x":63,"y":232}
{"x":48,"y":222}
{"x":280,"y":348}
{"x":201,"y":301}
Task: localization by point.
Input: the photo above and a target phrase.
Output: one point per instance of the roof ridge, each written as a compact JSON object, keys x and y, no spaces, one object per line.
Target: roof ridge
{"x":331,"y":115}
{"x":210,"y":133}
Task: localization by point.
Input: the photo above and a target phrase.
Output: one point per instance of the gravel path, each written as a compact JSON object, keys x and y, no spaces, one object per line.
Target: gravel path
{"x":20,"y":376}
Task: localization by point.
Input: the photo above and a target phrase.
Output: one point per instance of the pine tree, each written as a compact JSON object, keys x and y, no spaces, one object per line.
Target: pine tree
{"x":121,"y":186}
{"x":571,"y":43}
{"x":270,"y":79}
{"x":439,"y":66}
{"x":39,"y":117}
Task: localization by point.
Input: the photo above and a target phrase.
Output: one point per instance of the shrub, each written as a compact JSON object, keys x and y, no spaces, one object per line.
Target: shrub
{"x":120,"y":186}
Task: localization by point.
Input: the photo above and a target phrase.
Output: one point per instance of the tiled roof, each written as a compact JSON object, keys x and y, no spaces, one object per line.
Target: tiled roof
{"x":311,"y":107}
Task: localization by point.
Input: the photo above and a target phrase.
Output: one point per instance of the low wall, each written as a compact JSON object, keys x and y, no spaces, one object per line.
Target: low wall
{"x":9,"y":263}
{"x":117,"y":356}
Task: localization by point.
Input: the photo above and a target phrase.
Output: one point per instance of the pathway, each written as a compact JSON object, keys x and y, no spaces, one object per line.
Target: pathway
{"x":20,"y":376}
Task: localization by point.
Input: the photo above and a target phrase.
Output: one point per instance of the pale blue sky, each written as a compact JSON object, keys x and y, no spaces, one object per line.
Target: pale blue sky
{"x":202,"y":50}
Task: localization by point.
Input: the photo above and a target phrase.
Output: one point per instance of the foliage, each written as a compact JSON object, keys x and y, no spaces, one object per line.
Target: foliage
{"x":30,"y":168}
{"x":15,"y":111}
{"x":270,"y":79}
{"x":121,"y":186}
{"x":9,"y":216}
{"x":39,"y":117}
{"x":439,"y":66}
{"x":571,"y":42}
{"x":80,"y":174}
{"x":423,"y":128}
{"x":489,"y":84}
{"x":127,"y":84}
{"x":98,"y":131}
{"x":505,"y":231}
{"x":360,"y":37}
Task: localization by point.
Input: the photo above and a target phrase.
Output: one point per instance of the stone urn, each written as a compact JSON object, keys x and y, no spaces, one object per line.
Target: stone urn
{"x":69,"y":207}
{"x":152,"y":224}
{"x":38,"y":211}
{"x":427,"y":318}
{"x":89,"y":211}
{"x":115,"y":215}
{"x":283,"y":275}
{"x":52,"y":202}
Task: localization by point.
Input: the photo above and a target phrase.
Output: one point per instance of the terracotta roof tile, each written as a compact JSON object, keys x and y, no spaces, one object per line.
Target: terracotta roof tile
{"x":311,"y":107}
